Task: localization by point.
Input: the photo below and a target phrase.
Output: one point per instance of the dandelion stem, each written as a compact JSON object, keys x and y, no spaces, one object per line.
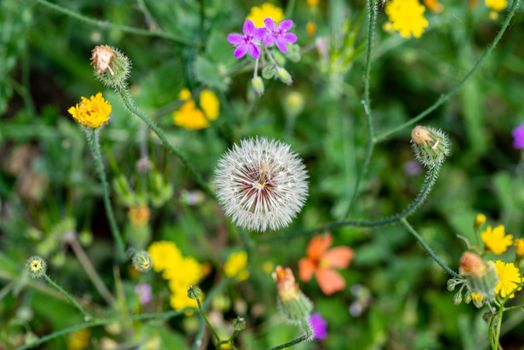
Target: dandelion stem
{"x":69,"y":297}
{"x":89,"y":269}
{"x":429,"y":182}
{"x":366,"y":102}
{"x":428,"y":249}
{"x":108,"y":25}
{"x":130,"y":106}
{"x":444,"y":98}
{"x":94,"y":146}
{"x":95,"y":323}
{"x":206,"y":320}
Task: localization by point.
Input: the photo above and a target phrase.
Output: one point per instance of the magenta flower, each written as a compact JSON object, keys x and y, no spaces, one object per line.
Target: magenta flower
{"x":245,"y":43}
{"x":279,"y":34}
{"x":518,"y":137}
{"x":318,"y":326}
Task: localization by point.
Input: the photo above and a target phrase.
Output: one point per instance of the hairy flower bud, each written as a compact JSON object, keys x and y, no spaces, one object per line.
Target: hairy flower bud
{"x":471,"y":265}
{"x":431,"y":146}
{"x":36,"y":266}
{"x":481,"y":277}
{"x":142,"y":261}
{"x":194,"y":292}
{"x":284,"y":76}
{"x":111,"y":67}
{"x":292,"y":302}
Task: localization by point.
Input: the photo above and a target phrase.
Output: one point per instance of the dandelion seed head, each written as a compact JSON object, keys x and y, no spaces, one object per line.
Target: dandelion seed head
{"x":261,"y":184}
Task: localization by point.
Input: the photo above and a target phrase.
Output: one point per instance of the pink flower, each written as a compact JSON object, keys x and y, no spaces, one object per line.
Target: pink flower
{"x":279,"y":34}
{"x":245,"y":43}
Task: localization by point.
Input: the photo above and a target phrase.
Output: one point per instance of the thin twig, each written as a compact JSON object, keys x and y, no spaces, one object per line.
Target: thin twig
{"x":69,"y":297}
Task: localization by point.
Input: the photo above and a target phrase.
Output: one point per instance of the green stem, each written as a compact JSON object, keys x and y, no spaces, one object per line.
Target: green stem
{"x":108,"y":25}
{"x":444,"y":98}
{"x":429,"y":182}
{"x":499,"y":324}
{"x":372,"y":19}
{"x":206,"y":320}
{"x":94,"y":146}
{"x":515,"y":307}
{"x":95,"y":323}
{"x":69,"y":297}
{"x":428,"y":249}
{"x":130,"y":106}
{"x":302,"y":338}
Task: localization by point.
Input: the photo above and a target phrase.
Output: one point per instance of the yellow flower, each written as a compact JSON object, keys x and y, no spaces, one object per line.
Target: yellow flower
{"x":186,"y":272}
{"x":259,"y":13}
{"x":93,"y":112}
{"x":190,"y":117}
{"x":78,"y":340}
{"x":480,"y":219}
{"x":496,"y":239}
{"x":164,"y":255}
{"x":312,"y":2}
{"x":519,"y":244}
{"x":509,"y":279}
{"x":496,"y":5}
{"x":311,"y":28}
{"x":236,"y":266}
{"x":477,"y":297}
{"x":179,"y":299}
{"x":407,"y":17}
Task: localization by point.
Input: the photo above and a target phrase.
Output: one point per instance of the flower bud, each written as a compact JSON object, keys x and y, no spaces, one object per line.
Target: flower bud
{"x":294,"y":104}
{"x":481,"y":277}
{"x":111,"y":67}
{"x":142,"y":261}
{"x":471,"y":265}
{"x":194,"y":292}
{"x":292,"y":302}
{"x":480,"y":219}
{"x":268,"y":72}
{"x":519,"y":245}
{"x":258,"y":85}
{"x":284,"y":76}
{"x":457,"y":298}
{"x":36,"y":266}
{"x":123,"y":191}
{"x":239,"y":324}
{"x":431,"y":146}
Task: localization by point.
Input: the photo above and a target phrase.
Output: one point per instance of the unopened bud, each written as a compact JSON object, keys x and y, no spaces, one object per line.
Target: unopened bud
{"x":239,"y":324}
{"x":431,"y":146}
{"x":258,"y":85}
{"x":142,"y":261}
{"x":481,"y":277}
{"x":36,"y":266}
{"x":268,"y":72}
{"x":480,"y":219}
{"x":471,"y":265}
{"x":111,"y":67}
{"x":284,"y":76}
{"x":457,"y":298}
{"x":194,"y":292}
{"x":292,"y":302}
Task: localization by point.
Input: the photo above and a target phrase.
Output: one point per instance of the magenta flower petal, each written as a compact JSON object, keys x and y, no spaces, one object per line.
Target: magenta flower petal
{"x":235,"y":39}
{"x":281,"y":44}
{"x":518,"y":137}
{"x":259,"y":34}
{"x":290,"y":38}
{"x":253,"y":50}
{"x":285,"y":25}
{"x":270,"y":24}
{"x":249,"y":27}
{"x":240,"y":51}
{"x":318,"y":326}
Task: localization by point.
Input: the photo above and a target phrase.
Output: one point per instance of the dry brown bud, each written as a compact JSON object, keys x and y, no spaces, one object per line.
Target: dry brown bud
{"x":101,"y":57}
{"x":472,"y":265}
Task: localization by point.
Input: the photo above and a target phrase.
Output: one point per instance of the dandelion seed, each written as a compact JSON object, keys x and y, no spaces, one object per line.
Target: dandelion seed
{"x":261,"y":184}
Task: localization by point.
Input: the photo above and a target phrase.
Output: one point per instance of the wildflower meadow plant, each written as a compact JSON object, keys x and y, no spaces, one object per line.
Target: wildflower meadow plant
{"x":202,"y":200}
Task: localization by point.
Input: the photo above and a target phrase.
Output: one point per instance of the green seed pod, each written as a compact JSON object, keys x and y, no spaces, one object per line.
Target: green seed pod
{"x":258,"y":85}
{"x":431,"y":146}
{"x":36,"y":266}
{"x":284,"y":76}
{"x":111,"y":67}
{"x":142,"y":261}
{"x":268,"y":72}
{"x":293,"y":53}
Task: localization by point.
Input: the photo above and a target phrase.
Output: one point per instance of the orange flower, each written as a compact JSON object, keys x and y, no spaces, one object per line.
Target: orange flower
{"x":322,"y":262}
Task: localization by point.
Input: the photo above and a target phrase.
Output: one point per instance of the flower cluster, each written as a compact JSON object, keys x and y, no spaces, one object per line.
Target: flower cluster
{"x":180,"y":271}
{"x":489,"y":279}
{"x":264,"y":29}
{"x":190,"y":117}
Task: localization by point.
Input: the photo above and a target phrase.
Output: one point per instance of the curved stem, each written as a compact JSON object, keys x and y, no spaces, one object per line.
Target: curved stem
{"x":206,"y":320}
{"x":372,"y":19}
{"x":69,"y":297}
{"x":429,"y":182}
{"x":108,"y":25}
{"x":94,"y":146}
{"x":458,"y":86}
{"x":302,"y":338}
{"x":428,"y":249}
{"x":130,"y":106}
{"x":96,"y":323}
